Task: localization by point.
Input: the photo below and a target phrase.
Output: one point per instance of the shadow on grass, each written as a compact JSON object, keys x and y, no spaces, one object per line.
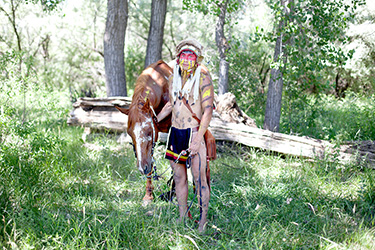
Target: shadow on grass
{"x":270,"y":202}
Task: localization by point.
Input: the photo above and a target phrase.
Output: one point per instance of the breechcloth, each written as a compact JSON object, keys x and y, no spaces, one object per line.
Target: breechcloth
{"x":178,"y":140}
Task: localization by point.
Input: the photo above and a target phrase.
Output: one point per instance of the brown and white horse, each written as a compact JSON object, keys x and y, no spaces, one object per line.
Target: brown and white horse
{"x":151,"y":93}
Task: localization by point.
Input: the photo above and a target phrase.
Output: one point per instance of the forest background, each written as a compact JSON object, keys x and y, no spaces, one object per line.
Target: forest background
{"x":54,"y":193}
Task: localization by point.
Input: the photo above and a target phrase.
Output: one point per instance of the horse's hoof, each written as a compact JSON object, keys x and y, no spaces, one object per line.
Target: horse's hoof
{"x":202,"y":227}
{"x":145,"y":203}
{"x":150,"y":213}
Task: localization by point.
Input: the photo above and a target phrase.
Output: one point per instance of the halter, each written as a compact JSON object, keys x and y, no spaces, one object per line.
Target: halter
{"x":153,"y":165}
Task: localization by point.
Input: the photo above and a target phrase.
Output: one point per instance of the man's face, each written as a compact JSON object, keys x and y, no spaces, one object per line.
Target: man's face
{"x":188,"y":60}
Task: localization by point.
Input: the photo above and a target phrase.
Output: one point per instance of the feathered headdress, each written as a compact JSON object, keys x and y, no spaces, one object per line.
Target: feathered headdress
{"x":197,"y":48}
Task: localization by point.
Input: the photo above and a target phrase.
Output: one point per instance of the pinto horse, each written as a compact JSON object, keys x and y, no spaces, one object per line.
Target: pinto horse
{"x":151,"y":93}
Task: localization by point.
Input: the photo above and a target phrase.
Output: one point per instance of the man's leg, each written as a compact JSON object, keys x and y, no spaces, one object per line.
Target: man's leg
{"x":180,"y":179}
{"x":199,"y":163}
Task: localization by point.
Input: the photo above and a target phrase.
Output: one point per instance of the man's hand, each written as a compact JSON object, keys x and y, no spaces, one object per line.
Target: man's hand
{"x":195,"y":144}
{"x":167,"y":109}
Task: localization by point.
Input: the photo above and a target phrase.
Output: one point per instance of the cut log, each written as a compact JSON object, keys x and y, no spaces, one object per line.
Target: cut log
{"x":100,"y":114}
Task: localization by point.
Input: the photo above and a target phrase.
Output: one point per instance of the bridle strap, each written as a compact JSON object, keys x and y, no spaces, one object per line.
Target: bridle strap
{"x":153,"y":111}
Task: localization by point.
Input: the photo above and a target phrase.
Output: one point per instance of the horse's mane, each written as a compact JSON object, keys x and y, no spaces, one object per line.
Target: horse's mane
{"x":143,"y":83}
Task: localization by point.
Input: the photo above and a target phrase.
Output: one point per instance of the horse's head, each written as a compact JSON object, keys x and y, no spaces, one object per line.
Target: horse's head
{"x":143,"y":132}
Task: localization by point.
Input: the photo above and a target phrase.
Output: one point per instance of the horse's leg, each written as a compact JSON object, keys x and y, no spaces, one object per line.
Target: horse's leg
{"x":149,"y":190}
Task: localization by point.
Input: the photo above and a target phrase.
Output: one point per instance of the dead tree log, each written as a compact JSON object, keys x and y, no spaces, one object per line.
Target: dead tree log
{"x":229,"y":123}
{"x":100,"y":114}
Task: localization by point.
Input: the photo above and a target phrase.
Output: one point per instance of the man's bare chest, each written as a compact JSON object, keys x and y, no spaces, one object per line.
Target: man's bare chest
{"x":182,"y":117}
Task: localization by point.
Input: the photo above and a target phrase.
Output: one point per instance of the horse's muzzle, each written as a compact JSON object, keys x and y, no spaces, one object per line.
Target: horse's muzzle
{"x":146,"y":170}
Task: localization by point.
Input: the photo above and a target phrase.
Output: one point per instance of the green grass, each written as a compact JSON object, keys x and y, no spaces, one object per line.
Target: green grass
{"x":326,"y":117}
{"x":55,"y":193}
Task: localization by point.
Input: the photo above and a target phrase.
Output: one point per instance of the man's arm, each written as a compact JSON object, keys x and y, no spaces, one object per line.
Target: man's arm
{"x":207,"y":93}
{"x":207,"y":100}
{"x":167,"y":109}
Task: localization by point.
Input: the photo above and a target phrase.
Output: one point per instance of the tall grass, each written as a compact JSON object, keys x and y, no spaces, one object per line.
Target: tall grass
{"x":58,"y":193}
{"x":326,"y":117}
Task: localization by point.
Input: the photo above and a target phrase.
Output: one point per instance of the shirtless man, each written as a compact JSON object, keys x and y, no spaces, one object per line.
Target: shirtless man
{"x":191,"y":83}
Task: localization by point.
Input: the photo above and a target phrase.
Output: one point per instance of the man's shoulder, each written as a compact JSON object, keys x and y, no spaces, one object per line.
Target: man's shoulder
{"x":204,"y":70}
{"x":205,"y":77}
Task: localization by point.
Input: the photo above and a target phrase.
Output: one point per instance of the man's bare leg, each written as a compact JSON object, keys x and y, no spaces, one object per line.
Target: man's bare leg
{"x":180,"y":179}
{"x":203,"y":190}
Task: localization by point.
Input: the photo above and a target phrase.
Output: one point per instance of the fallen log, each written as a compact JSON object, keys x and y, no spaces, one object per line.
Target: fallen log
{"x":276,"y":142}
{"x":100,"y":114}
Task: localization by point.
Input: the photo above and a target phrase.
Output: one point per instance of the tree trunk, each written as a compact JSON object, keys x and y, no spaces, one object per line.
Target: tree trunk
{"x":275,"y":86}
{"x":156,"y":32}
{"x":223,"y":46}
{"x":274,"y":95}
{"x":114,"y":43}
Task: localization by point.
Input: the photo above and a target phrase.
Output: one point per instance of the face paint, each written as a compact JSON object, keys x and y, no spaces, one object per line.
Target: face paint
{"x":187,"y":60}
{"x":181,"y":62}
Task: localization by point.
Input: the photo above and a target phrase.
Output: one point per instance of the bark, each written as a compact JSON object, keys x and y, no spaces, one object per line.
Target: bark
{"x":274,"y":95}
{"x":156,"y":32}
{"x":275,"y":86}
{"x":114,"y":43}
{"x":223,"y":46}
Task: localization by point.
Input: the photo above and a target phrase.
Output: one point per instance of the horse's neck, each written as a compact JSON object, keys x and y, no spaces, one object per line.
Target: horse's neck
{"x":154,"y":85}
{"x":147,"y":93}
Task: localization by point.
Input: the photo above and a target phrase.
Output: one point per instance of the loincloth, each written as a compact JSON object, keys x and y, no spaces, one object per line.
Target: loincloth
{"x":178,"y":140}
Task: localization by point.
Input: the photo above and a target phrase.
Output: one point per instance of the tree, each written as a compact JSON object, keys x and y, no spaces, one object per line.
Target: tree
{"x":114,"y":43}
{"x":220,"y":9}
{"x":309,"y":39}
{"x":11,"y":16}
{"x":156,"y":31}
{"x":223,"y":47}
{"x":275,"y":86}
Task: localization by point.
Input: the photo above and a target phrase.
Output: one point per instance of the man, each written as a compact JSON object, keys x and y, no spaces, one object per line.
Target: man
{"x":191,"y":91}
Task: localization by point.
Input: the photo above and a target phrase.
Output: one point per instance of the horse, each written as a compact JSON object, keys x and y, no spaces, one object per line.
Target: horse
{"x":151,"y":93}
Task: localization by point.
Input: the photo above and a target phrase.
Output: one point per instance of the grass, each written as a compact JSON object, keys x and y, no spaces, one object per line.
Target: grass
{"x":55,"y":193}
{"x":325,"y":117}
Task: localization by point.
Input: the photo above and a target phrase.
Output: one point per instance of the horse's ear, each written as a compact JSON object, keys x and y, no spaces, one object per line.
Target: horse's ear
{"x":122,"y":110}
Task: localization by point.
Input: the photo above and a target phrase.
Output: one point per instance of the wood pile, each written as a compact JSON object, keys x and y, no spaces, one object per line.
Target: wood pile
{"x":229,"y":123}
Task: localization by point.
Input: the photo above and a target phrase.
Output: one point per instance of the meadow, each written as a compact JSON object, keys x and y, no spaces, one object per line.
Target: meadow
{"x":59,"y":192}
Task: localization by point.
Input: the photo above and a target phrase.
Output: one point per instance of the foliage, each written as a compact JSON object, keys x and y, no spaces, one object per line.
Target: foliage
{"x":211,"y":6}
{"x":248,"y":74}
{"x":325,"y":117}
{"x":361,"y":67}
{"x":70,"y":57}
{"x":134,"y":64}
{"x":48,"y":5}
{"x":367,"y":194}
{"x":312,"y":34}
